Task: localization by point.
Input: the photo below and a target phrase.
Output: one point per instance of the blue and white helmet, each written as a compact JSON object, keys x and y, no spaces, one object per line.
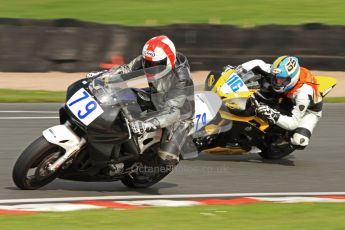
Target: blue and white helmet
{"x":286,"y":71}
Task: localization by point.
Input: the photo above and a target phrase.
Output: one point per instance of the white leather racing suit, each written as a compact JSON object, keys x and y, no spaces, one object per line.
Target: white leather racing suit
{"x":306,"y":112}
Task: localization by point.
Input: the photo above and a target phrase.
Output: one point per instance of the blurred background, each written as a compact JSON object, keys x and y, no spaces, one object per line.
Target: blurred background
{"x":48,"y":44}
{"x":79,"y":35}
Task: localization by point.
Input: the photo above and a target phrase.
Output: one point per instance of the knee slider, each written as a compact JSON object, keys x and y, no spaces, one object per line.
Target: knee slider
{"x":301,"y":137}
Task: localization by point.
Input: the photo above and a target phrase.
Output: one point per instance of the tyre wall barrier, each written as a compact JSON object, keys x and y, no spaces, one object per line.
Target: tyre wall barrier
{"x":72,"y":46}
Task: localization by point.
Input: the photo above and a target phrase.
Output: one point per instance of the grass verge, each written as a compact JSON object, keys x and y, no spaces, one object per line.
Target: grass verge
{"x":157,"y":12}
{"x":334,"y":99}
{"x":11,"y":95}
{"x":263,"y":216}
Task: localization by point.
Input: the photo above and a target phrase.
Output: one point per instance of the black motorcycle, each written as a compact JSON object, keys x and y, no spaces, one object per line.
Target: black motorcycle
{"x":95,"y":142}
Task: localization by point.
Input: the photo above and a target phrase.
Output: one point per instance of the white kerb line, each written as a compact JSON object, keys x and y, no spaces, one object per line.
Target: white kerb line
{"x":173,"y":196}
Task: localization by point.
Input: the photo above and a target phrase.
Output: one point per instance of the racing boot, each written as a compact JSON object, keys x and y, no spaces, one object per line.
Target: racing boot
{"x":169,"y":154}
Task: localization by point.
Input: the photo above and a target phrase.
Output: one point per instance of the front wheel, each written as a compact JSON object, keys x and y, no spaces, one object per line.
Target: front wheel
{"x":31,"y":169}
{"x":148,"y":170}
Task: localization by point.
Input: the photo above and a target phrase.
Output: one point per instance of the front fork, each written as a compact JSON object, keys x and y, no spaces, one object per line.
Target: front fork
{"x":63,"y":136}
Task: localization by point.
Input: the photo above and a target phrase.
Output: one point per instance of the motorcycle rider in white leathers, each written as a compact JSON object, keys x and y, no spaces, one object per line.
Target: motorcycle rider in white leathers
{"x":172,"y":95}
{"x":299,"y":85}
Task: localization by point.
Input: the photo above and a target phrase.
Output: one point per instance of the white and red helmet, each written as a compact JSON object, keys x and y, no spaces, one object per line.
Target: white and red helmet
{"x":159,"y":51}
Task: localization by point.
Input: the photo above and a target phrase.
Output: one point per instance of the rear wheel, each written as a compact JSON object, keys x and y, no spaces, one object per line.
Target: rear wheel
{"x":148,"y":170}
{"x":276,"y":152}
{"x":31,"y":169}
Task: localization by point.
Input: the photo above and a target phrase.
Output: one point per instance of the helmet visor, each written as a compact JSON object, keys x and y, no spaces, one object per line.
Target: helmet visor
{"x":280,"y":82}
{"x":149,"y":64}
{"x":154,"y":69}
{"x":156,"y":72}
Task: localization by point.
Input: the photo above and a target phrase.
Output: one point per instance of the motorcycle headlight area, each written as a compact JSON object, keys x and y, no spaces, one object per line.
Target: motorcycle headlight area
{"x":236,"y":103}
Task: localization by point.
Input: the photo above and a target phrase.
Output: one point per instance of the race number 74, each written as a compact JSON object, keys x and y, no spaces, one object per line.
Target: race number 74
{"x":202,"y":118}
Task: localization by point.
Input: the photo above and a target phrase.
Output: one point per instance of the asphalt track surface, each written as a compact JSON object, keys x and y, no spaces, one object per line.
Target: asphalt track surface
{"x":319,"y":168}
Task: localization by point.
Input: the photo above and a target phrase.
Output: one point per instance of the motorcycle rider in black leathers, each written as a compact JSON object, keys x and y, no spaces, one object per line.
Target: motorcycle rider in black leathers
{"x":171,"y":91}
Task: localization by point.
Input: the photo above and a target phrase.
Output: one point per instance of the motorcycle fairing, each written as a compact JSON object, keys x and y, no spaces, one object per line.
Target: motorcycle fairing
{"x":207,"y":104}
{"x":326,"y":84}
{"x":64,"y":137}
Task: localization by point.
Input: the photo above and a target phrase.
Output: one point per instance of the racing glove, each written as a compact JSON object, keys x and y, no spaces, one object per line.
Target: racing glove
{"x":267,"y":113}
{"x":95,"y":74}
{"x":228,"y":67}
{"x":140,"y":127}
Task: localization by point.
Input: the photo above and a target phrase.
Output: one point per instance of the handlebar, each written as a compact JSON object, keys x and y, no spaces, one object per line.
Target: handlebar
{"x":256,"y":103}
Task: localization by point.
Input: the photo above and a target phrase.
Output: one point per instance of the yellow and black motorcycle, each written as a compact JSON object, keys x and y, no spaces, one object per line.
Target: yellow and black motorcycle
{"x":237,"y":129}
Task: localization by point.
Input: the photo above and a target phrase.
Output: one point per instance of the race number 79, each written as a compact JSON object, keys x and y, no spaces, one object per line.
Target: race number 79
{"x":90,"y":106}
{"x":84,"y":107}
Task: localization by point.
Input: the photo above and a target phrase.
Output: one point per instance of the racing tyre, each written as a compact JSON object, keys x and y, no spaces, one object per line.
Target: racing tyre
{"x":276,"y":152}
{"x":31,"y":169}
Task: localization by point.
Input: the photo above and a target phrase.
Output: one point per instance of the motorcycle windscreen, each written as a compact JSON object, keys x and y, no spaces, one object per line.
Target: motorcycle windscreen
{"x":125,"y":90}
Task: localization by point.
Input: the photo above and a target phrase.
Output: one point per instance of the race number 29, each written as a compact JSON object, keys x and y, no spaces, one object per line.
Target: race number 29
{"x":84,"y":107}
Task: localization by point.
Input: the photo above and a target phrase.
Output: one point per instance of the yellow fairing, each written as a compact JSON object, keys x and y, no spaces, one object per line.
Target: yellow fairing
{"x":227,"y":96}
{"x":221,"y":81}
{"x":225,"y":151}
{"x":231,"y":101}
{"x":210,"y":129}
{"x":326,"y":84}
{"x":232,"y":117}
